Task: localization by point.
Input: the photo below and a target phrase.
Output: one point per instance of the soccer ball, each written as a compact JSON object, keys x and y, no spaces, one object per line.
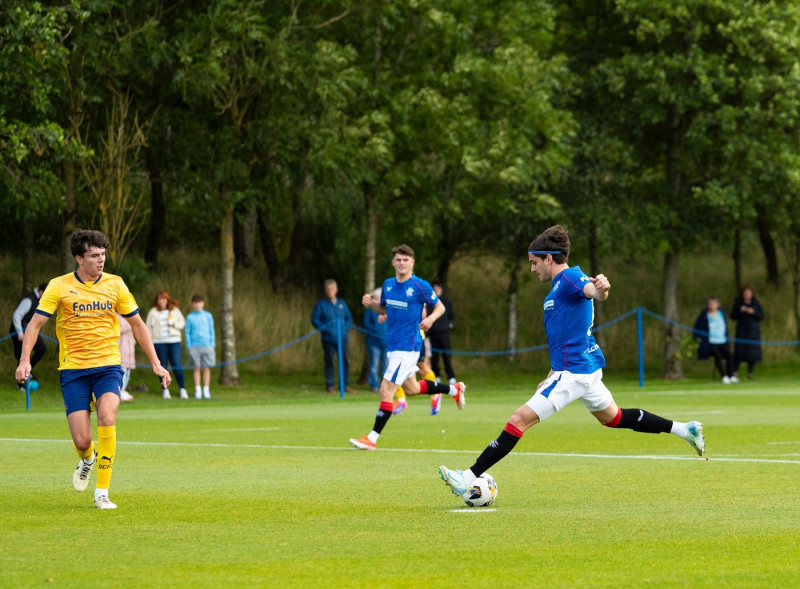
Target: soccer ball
{"x":481,"y":492}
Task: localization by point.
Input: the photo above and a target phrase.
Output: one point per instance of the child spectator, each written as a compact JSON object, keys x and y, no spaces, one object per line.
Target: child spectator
{"x":200,"y":343}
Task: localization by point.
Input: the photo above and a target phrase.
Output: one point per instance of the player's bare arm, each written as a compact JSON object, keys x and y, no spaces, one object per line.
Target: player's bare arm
{"x":143,"y":337}
{"x":597,"y":288}
{"x":31,"y":333}
{"x":438,"y":311}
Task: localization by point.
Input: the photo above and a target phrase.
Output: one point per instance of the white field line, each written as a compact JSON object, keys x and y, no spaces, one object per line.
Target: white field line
{"x":424,"y":451}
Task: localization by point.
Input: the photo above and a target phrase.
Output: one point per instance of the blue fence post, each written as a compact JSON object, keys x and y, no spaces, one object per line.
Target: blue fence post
{"x":339,"y":356}
{"x":28,"y":393}
{"x":640,"y":337}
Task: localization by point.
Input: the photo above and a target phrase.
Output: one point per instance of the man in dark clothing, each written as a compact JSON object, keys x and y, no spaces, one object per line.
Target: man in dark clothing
{"x":324,"y":317}
{"x":439,"y":335}
{"x":19,"y":321}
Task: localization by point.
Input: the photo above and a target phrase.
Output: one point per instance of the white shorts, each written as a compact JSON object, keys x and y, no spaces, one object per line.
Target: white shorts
{"x":564,"y":387}
{"x":400,"y":366}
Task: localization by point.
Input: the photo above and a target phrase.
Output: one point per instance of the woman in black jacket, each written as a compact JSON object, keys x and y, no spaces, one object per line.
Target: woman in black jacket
{"x":748,"y":313}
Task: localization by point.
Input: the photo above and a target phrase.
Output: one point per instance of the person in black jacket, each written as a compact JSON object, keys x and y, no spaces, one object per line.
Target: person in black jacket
{"x":19,"y":321}
{"x":748,"y":313}
{"x":439,"y":335}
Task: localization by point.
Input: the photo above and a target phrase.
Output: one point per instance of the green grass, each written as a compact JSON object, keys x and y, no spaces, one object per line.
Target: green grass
{"x":259,"y":487}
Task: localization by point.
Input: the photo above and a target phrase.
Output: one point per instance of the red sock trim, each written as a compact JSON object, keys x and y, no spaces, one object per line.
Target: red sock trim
{"x":615,"y":422}
{"x":387,"y":405}
{"x":514,"y":431}
{"x":423,"y":386}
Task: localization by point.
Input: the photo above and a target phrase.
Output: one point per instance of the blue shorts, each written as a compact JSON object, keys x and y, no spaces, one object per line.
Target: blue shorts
{"x":79,"y":384}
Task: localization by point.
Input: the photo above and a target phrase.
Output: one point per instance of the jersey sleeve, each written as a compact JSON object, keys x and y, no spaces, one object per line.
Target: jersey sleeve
{"x":126,"y":305}
{"x":48,"y":304}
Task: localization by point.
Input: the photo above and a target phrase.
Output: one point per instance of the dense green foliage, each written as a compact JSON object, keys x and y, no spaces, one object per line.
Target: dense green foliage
{"x":309,"y":137}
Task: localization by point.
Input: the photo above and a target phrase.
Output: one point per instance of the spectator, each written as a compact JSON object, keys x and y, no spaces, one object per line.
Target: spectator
{"x":19,"y":321}
{"x":711,"y":330}
{"x":439,"y":335}
{"x":375,"y":326}
{"x":748,"y":314}
{"x":127,"y":353}
{"x":326,"y":311}
{"x":200,"y":343}
{"x":165,"y":322}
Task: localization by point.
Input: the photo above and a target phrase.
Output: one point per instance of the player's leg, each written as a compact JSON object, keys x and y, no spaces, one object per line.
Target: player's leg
{"x":429,"y":386}
{"x":554,"y":393}
{"x":401,"y":369}
{"x":109,"y":380}
{"x":76,"y":390}
{"x":522,"y":419}
{"x":602,"y":405}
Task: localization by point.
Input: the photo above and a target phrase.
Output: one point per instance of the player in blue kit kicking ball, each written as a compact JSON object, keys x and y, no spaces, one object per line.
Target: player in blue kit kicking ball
{"x":576,"y":363}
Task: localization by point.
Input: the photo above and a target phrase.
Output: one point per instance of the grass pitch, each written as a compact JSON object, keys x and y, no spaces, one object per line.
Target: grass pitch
{"x":259,"y":487}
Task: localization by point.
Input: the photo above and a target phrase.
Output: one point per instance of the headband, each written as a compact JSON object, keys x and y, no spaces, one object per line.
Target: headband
{"x":545,"y":252}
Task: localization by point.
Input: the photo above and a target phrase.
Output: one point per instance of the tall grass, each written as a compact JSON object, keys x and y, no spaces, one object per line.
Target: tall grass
{"x":478,"y":288}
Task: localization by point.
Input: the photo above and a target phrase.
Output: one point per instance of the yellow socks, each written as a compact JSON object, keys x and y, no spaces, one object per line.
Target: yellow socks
{"x":106,"y":448}
{"x":400,"y":394}
{"x":430,"y":376}
{"x":88,"y":454}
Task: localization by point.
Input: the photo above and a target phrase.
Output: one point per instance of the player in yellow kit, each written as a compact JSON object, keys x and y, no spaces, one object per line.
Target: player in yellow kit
{"x":85,"y":303}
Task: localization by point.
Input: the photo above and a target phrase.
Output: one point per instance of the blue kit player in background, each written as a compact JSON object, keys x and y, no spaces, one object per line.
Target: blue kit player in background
{"x":402,"y":299}
{"x":576,"y":363}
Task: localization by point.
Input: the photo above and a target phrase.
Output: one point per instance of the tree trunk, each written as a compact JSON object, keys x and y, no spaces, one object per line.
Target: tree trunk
{"x":158,"y":210}
{"x":245,"y":235}
{"x":68,"y":219}
{"x":768,"y":245}
{"x":673,"y":369}
{"x":371,"y":213}
{"x":795,"y":271}
{"x":229,"y":374}
{"x":737,"y":258}
{"x":513,"y":286}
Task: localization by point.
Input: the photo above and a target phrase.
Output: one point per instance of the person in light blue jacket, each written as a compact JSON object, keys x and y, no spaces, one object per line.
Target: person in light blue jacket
{"x":324,"y":316}
{"x":201,"y":342}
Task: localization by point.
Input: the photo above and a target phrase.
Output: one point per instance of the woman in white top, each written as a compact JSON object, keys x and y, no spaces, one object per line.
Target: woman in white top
{"x":165,"y":322}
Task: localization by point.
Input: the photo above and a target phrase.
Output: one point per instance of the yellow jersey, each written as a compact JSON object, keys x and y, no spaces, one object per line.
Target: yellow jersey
{"x":86,"y":321}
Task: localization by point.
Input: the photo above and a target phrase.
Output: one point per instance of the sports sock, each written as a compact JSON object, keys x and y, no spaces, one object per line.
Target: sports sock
{"x":400,"y":394}
{"x":106,"y":449}
{"x":640,"y":421}
{"x":497,"y":450}
{"x":680,"y":430}
{"x":431,"y":387}
{"x":87,"y":455}
{"x":383,"y":415}
{"x":429,"y":376}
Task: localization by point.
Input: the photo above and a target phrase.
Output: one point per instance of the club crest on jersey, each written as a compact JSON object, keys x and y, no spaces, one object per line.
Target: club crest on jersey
{"x":556,"y":285}
{"x":409,"y":291}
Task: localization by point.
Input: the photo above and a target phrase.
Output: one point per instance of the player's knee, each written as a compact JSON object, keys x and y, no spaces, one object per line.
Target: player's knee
{"x":523,"y":418}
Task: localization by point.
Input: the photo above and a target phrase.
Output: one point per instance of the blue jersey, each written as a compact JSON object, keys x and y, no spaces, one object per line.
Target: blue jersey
{"x":568,"y":319}
{"x":404,"y":302}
